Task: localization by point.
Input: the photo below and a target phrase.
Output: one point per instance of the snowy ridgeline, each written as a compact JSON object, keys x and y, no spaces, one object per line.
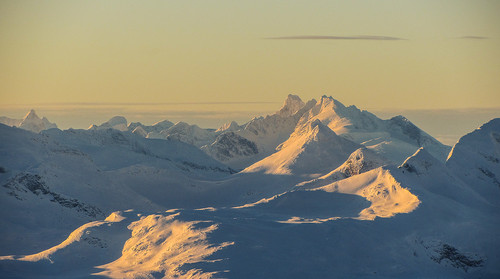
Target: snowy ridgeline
{"x":325,"y":191}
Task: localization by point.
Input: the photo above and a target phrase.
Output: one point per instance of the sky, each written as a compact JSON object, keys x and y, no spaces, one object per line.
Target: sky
{"x":81,"y":62}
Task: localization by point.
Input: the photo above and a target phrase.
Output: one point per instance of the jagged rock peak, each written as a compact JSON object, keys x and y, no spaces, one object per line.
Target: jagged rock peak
{"x":292,"y":105}
{"x":31,"y":115}
{"x":32,"y":122}
{"x":330,"y":101}
{"x":229,"y":127}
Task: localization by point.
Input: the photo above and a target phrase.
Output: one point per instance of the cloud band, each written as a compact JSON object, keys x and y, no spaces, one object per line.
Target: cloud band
{"x":316,"y":37}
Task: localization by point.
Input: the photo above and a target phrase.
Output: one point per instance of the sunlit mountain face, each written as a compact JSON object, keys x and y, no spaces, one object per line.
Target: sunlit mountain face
{"x":315,"y":190}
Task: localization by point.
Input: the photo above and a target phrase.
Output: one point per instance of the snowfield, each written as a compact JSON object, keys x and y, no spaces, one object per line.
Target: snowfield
{"x":326,"y":191}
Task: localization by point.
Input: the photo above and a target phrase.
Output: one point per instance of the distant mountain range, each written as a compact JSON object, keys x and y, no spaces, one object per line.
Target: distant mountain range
{"x":315,"y":190}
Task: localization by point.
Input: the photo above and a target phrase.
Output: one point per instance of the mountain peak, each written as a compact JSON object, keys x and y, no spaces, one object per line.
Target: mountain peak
{"x":329,"y":100}
{"x":475,"y":159}
{"x":117,"y":120}
{"x":31,"y":115}
{"x":292,"y":105}
{"x":32,"y":122}
{"x":229,"y":127}
{"x":313,"y":130}
{"x":165,"y":124}
{"x":420,"y":162}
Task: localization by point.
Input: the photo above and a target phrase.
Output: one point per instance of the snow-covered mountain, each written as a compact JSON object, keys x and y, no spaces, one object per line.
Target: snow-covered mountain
{"x":396,"y":138}
{"x":312,"y":148}
{"x":267,"y":132}
{"x":187,"y":133}
{"x":114,"y":202}
{"x":181,"y":131}
{"x":117,"y":122}
{"x":360,"y":161}
{"x":10,"y":121}
{"x":475,"y":158}
{"x":229,"y":127}
{"x":30,"y":122}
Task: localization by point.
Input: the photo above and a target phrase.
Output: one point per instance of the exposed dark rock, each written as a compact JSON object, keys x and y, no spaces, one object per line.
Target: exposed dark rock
{"x":229,"y":145}
{"x":33,"y":183}
{"x":450,"y":254}
{"x":408,"y":128}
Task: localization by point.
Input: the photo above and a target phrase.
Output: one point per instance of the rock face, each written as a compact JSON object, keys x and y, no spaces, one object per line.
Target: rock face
{"x":229,"y":145}
{"x":292,"y":105}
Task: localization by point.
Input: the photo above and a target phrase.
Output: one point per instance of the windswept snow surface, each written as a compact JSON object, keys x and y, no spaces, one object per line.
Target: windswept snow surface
{"x":322,"y":203}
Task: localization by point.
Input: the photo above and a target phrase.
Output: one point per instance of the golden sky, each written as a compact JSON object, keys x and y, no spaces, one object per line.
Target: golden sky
{"x":374,"y":54}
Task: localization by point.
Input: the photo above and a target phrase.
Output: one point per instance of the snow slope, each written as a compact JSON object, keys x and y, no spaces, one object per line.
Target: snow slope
{"x":10,"y":121}
{"x":77,"y":175}
{"x":327,"y":232}
{"x":311,"y":149}
{"x":266,"y":133}
{"x":360,"y":161}
{"x":475,"y":158}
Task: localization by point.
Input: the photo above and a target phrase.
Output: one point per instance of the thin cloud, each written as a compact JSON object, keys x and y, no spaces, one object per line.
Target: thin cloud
{"x":473,"y":38}
{"x":316,"y":37}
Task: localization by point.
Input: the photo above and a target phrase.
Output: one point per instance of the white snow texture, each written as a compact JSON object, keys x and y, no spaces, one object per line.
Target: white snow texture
{"x":315,"y":190}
